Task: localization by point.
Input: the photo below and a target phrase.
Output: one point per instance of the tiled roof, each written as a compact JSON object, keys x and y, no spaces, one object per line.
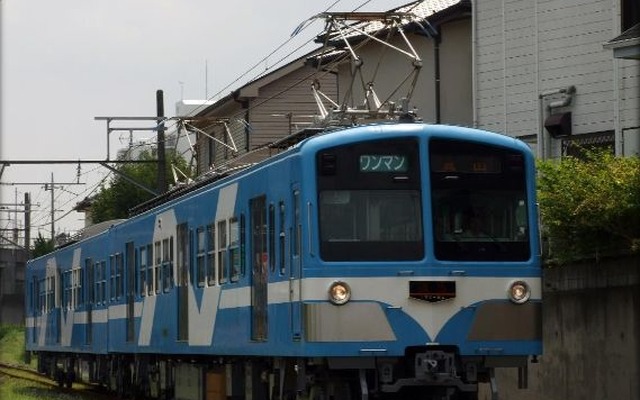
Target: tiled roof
{"x":412,"y":12}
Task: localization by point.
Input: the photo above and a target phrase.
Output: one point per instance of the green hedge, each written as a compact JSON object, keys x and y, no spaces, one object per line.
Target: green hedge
{"x":590,"y":207}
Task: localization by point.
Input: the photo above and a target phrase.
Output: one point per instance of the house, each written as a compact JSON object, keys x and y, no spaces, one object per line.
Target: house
{"x":238,"y":128}
{"x":542,"y":74}
{"x":541,"y":71}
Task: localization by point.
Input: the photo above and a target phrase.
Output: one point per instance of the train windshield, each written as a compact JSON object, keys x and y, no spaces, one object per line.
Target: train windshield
{"x":479,"y":203}
{"x":370,"y":203}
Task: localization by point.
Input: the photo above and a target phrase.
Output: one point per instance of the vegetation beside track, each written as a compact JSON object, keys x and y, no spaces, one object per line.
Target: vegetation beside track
{"x":18,"y":388}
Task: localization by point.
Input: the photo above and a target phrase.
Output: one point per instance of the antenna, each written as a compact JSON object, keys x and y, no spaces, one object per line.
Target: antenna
{"x":206,"y":79}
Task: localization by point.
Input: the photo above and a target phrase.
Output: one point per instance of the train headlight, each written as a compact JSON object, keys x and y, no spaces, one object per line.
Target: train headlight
{"x":519,"y":292}
{"x":339,"y":293}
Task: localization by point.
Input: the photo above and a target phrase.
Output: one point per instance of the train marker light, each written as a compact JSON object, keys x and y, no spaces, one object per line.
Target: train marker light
{"x":519,"y":292}
{"x":339,"y":293}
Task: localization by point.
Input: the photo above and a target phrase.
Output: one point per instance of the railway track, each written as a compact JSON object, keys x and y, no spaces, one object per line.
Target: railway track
{"x":27,"y":374}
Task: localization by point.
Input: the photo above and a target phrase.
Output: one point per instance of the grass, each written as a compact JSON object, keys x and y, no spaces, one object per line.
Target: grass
{"x":12,"y":351}
{"x":12,"y":344}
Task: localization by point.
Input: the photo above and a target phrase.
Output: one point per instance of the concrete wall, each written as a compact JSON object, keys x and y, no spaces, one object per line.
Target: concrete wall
{"x":591,"y":333}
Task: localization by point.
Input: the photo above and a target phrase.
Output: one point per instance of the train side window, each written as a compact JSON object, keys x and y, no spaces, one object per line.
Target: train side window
{"x":211,"y":254}
{"x":222,"y":247}
{"x":157,"y":281}
{"x":281,"y":237}
{"x":200,"y":255}
{"x":234,"y":249}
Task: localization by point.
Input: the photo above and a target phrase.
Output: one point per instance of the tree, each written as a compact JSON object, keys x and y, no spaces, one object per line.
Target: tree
{"x":115,"y":200}
{"x":590,"y":207}
{"x":42,"y":246}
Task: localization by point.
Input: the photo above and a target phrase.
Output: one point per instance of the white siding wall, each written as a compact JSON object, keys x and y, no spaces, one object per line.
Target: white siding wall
{"x":526,"y":47}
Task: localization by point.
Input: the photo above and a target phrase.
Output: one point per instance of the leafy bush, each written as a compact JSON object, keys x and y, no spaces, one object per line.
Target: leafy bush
{"x":590,"y":207}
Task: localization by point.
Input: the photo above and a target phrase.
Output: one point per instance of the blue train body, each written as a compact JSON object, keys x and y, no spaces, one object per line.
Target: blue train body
{"x":344,"y":261}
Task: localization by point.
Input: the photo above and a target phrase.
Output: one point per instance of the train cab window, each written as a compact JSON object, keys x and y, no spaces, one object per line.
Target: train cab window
{"x":222,"y":247}
{"x":211,"y":254}
{"x":369,"y":199}
{"x":479,"y":202}
{"x":200,"y":256}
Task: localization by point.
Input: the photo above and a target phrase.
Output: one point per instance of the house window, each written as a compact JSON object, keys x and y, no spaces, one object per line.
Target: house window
{"x":576,"y":146}
{"x":630,"y":13}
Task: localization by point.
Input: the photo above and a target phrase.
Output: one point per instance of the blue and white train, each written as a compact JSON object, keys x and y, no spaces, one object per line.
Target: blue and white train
{"x":380,"y":261}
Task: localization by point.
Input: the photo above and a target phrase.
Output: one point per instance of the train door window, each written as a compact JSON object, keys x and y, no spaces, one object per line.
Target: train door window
{"x":222,"y":247}
{"x":91,"y":298}
{"x":242,"y":245}
{"x":157,"y":277}
{"x":272,"y":237}
{"x":75,"y":288}
{"x":259,"y":267}
{"x":98,"y":278}
{"x":143,"y":271}
{"x":235,"y":259}
{"x":103,"y":281}
{"x":201,"y":249}
{"x":167,"y":263}
{"x":211,"y":254}
{"x":150,"y":269}
{"x":281,"y":237}
{"x":297,"y":239}
{"x":119,"y":275}
{"x":66,"y":289}
{"x":112,"y":277}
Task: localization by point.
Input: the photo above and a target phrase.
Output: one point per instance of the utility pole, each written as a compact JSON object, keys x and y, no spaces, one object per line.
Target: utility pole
{"x":27,"y":224}
{"x":53,"y":212}
{"x":162,"y":170}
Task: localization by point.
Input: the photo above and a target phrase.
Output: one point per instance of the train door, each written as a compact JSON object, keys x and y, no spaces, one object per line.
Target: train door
{"x":91,"y":299}
{"x":259,"y":262}
{"x":295,"y":270}
{"x":183,"y":281}
{"x":130,"y":256}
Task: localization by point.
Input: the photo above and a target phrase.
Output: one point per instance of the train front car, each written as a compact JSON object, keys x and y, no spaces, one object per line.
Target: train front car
{"x":423,"y":273}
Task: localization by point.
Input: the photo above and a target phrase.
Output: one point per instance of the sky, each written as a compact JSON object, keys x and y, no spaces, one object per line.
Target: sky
{"x":63,"y":63}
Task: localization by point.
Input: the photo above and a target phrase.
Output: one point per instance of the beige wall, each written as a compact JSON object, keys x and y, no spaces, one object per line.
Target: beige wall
{"x":455,"y":74}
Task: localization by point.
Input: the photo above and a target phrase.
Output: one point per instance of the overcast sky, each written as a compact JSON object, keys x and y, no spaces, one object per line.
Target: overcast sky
{"x":66,"y":62}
